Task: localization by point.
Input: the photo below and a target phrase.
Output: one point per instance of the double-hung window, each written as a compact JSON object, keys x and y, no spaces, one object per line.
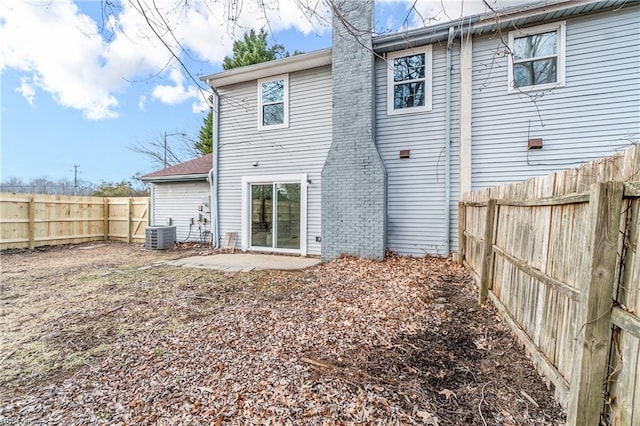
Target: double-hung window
{"x":409,"y":81}
{"x":273,"y":102}
{"x":537,"y":57}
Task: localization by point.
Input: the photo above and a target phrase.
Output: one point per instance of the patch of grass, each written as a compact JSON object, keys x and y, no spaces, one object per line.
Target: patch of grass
{"x":32,"y":361}
{"x":68,"y":318}
{"x":79,"y":358}
{"x":85,"y":278}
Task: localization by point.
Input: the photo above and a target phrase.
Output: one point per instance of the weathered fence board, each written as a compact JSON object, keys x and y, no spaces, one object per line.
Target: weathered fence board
{"x":625,"y":362}
{"x":562,"y":269}
{"x":591,"y":359}
{"x":33,"y":220}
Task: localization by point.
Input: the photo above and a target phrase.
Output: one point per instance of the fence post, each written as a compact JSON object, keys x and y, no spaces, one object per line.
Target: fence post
{"x":487,"y":253}
{"x":32,"y":222}
{"x":129,"y":211}
{"x":591,"y":355}
{"x":106,"y":219}
{"x":462,"y":240}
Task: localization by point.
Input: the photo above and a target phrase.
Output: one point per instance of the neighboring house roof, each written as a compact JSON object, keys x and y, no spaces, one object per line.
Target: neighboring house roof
{"x":196,"y":169}
{"x":515,"y":16}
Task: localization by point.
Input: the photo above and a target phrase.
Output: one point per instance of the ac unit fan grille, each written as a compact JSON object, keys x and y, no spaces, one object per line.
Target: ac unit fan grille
{"x":160,"y":237}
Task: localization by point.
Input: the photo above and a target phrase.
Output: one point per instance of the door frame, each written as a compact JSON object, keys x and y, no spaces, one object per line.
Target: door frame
{"x":247,"y":181}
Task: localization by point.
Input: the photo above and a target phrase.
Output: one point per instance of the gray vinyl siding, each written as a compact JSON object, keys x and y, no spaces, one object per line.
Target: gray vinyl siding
{"x":416,"y":186}
{"x":300,"y":148}
{"x":595,"y":114}
{"x":180,"y":201}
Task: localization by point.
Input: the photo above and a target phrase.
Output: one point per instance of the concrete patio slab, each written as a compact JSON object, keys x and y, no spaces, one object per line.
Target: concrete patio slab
{"x":245,"y":262}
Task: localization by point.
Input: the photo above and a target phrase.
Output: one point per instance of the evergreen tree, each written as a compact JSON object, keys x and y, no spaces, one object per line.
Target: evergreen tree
{"x":204,"y":143}
{"x":252,"y":49}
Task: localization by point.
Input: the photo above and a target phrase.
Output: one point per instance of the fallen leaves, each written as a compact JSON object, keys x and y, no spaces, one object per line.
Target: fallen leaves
{"x":428,"y":418}
{"x":348,"y":342}
{"x":447,"y":393}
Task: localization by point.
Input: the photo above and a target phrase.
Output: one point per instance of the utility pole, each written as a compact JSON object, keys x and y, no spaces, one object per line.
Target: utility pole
{"x":165,"y":149}
{"x":165,"y":145}
{"x":75,"y":179}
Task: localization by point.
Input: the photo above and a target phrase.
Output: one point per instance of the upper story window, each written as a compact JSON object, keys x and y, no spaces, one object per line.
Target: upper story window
{"x":537,"y":57}
{"x":273,"y":100}
{"x":409,"y":81}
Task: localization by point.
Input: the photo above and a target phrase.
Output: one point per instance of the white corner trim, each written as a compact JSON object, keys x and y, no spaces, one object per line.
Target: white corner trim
{"x":466,"y":108}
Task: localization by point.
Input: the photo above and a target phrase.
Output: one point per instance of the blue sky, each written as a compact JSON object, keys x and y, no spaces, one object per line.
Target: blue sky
{"x":72,"y":95}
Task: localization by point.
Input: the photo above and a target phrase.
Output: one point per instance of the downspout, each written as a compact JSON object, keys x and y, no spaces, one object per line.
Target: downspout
{"x":213,"y":173}
{"x":151,"y":220}
{"x":447,"y":149}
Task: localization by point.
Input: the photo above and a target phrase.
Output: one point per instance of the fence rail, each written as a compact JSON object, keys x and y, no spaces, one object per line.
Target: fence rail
{"x":33,"y":220}
{"x":558,"y":256}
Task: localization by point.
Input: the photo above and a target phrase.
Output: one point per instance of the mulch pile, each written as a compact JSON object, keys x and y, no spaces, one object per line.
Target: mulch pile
{"x":352,"y":341}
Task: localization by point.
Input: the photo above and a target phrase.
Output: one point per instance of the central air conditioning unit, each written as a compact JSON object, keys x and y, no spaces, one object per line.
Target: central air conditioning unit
{"x":159,"y":237}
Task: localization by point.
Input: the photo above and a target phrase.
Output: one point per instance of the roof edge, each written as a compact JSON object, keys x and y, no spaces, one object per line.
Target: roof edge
{"x":475,"y":24}
{"x":293,"y":63}
{"x":176,"y":178}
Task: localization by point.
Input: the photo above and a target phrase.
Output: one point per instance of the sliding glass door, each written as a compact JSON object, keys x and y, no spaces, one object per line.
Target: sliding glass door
{"x":275,"y":215}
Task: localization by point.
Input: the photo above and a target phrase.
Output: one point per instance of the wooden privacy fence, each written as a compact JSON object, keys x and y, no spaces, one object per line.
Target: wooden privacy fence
{"x":558,"y":257}
{"x":33,"y":220}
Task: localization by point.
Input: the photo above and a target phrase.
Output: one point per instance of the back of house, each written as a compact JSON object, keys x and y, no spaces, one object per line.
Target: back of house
{"x":306,"y":165}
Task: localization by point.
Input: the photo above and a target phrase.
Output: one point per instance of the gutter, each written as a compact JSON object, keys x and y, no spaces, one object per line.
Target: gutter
{"x":490,"y":21}
{"x":176,"y":178}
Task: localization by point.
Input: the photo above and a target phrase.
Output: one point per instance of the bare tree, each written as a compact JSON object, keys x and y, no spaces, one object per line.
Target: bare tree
{"x":44,"y":185}
{"x":167,"y":149}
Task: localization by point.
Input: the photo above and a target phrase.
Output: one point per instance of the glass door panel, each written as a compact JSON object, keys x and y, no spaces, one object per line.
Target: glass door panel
{"x":262,"y":215}
{"x":287,"y":215}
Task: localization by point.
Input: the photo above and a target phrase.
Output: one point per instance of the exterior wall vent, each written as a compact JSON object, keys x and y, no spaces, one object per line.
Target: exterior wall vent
{"x":159,"y":237}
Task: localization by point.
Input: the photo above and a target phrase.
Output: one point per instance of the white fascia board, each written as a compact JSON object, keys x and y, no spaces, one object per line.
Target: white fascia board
{"x":176,"y":178}
{"x":267,"y":69}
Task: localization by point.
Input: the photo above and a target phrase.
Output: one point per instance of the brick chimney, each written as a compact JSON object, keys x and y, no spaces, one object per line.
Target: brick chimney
{"x":354,"y":180}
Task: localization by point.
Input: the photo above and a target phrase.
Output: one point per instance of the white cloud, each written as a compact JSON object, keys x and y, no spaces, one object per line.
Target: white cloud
{"x":141,"y":102}
{"x":61,"y":56}
{"x":83,"y":67}
{"x":88,"y":65}
{"x":294,"y":14}
{"x":176,"y":93}
{"x":200,"y":106}
{"x":428,"y":12}
{"x":26,"y":90}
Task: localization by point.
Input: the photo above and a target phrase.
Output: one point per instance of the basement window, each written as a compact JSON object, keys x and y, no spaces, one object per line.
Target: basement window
{"x":536,"y":59}
{"x":409,"y":81}
{"x":273,"y":96}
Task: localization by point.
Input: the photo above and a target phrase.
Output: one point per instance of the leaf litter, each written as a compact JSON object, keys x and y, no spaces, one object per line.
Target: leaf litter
{"x":99,"y":337}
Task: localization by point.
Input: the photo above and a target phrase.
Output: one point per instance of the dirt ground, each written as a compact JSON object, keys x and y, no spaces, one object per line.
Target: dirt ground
{"x":109,"y":334}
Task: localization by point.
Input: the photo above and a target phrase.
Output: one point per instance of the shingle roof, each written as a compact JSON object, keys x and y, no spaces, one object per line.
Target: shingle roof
{"x":198,"y":167}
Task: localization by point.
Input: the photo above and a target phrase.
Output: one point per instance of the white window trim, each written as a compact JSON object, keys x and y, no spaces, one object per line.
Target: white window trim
{"x":427,"y":50}
{"x":285,"y":124}
{"x":560,"y":27}
{"x":246,"y":217}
